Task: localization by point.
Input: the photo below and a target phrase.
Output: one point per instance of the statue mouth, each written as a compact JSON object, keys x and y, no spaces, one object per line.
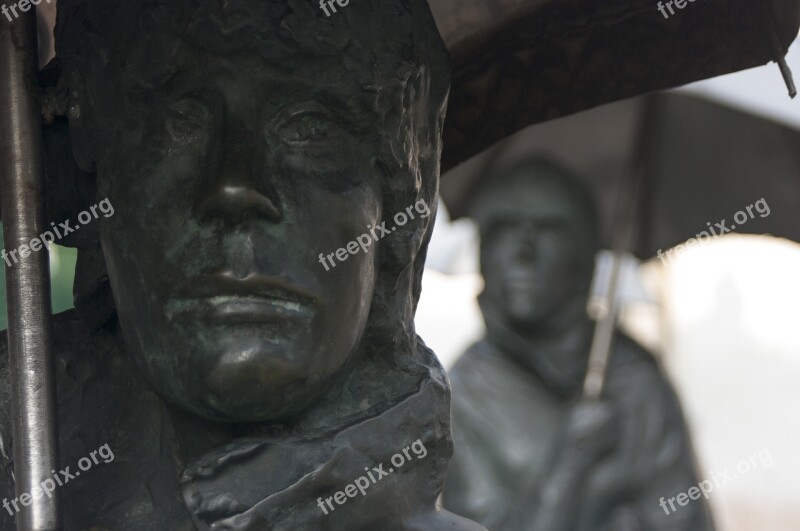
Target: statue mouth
{"x":221,"y":298}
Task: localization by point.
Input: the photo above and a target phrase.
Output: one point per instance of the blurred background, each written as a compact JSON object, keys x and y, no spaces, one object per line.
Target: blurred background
{"x":62,"y":272}
{"x":720,"y":317}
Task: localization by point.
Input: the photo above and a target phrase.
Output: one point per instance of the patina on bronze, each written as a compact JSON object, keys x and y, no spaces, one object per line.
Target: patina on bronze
{"x":236,"y":381}
{"x":118,"y":74}
{"x":531,"y":452}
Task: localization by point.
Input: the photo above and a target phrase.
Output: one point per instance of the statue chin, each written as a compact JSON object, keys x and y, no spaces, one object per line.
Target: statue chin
{"x":243,"y":386}
{"x":523,"y":312}
{"x":233,"y":400}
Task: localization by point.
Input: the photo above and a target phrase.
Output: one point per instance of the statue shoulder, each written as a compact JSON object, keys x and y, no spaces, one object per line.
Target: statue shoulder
{"x":69,"y":340}
{"x":644,"y":390}
{"x":630,"y":358}
{"x":482,"y":374}
{"x":75,"y":350}
{"x":479,"y":355}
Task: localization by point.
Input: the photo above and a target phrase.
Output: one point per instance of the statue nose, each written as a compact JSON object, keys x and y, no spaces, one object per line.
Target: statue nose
{"x":242,"y":187}
{"x":526,"y":250}
{"x":236,"y":202}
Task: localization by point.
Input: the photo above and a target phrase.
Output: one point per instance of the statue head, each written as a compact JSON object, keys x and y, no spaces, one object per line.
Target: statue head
{"x":237,"y":142}
{"x":539,"y":235}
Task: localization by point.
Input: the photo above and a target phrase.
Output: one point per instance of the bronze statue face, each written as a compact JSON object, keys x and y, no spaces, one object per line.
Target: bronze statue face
{"x":538,"y":244}
{"x":244,"y":151}
{"x":238,"y":177}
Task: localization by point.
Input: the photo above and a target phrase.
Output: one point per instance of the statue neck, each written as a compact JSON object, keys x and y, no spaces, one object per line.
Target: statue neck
{"x":557,"y":351}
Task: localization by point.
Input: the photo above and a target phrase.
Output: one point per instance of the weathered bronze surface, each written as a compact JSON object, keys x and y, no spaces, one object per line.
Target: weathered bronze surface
{"x":531,"y":453}
{"x":237,"y":381}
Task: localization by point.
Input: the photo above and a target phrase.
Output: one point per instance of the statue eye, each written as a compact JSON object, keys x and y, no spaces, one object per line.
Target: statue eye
{"x":305,"y":128}
{"x":187,"y":121}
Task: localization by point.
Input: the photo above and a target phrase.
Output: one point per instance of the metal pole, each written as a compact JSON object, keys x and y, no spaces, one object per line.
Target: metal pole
{"x":625,"y":231}
{"x":779,"y":54}
{"x":606,"y":324}
{"x":27,"y":282}
{"x":606,"y":318}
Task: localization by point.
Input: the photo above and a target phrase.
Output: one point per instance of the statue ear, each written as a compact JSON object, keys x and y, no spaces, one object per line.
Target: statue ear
{"x":70,"y":186}
{"x":64,"y":97}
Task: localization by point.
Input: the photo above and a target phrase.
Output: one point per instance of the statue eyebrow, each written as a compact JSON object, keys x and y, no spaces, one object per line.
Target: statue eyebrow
{"x":358,"y":109}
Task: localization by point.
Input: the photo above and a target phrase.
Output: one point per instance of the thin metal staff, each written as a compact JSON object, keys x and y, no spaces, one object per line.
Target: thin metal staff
{"x":33,"y":409}
{"x":624,"y":235}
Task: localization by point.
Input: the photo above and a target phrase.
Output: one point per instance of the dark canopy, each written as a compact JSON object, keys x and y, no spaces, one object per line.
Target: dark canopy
{"x":701,"y":163}
{"x":519,"y":62}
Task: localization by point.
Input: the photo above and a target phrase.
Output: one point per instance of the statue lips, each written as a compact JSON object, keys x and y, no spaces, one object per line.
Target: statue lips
{"x":521,"y":280}
{"x":221,"y":298}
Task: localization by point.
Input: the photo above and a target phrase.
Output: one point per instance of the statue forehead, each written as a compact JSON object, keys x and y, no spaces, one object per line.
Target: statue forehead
{"x":527,"y":194}
{"x":369,"y":45}
{"x":273,"y":28}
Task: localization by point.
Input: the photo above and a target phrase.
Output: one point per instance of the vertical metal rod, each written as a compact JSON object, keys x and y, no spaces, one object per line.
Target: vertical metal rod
{"x":27,"y":282}
{"x":623,"y":235}
{"x":606,"y":322}
{"x":602,"y":339}
{"x":778,"y":52}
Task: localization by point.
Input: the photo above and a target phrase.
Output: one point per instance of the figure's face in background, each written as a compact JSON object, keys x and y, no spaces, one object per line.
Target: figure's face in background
{"x":230,"y":179}
{"x":534,"y":257}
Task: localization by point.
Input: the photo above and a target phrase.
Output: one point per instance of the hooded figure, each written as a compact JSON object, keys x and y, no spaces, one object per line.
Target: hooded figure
{"x":530,"y":452}
{"x":214,"y":373}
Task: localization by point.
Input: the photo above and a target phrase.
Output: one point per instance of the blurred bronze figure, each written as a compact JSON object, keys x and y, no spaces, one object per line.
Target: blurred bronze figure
{"x":531,"y":454}
{"x":239,"y":384}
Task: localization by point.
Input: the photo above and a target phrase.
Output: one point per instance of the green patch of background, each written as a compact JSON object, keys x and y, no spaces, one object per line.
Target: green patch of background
{"x":62,"y":274}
